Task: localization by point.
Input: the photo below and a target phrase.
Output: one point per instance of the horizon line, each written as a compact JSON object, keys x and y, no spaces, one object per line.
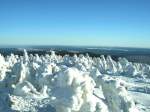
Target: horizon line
{"x":16,"y":46}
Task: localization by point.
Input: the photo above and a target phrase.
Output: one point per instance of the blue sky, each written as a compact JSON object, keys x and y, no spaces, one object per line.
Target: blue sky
{"x":75,"y":22}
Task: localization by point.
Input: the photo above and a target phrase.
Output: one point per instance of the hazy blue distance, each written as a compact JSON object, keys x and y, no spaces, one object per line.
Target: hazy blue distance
{"x":75,"y":22}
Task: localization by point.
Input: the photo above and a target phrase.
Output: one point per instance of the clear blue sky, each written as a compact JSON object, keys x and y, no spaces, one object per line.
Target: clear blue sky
{"x":75,"y":22}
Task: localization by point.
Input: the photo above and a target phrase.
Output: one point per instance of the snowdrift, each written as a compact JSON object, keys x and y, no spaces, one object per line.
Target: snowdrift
{"x":53,"y":83}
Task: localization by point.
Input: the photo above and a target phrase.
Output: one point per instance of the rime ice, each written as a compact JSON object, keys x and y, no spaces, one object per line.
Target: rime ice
{"x":69,"y":84}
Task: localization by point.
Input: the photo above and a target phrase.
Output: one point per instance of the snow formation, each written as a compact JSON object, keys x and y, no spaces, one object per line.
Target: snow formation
{"x":53,"y":83}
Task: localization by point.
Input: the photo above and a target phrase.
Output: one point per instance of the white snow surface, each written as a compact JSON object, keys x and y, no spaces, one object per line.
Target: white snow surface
{"x":54,"y":83}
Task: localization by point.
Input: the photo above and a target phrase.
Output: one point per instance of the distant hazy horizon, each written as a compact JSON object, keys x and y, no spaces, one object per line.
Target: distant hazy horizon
{"x":117,"y":23}
{"x":78,"y":46}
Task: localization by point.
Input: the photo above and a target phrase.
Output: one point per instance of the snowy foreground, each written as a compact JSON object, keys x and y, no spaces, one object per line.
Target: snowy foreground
{"x":53,"y":83}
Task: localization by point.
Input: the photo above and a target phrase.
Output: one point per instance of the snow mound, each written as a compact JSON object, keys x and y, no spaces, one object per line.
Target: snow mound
{"x":67,"y":84}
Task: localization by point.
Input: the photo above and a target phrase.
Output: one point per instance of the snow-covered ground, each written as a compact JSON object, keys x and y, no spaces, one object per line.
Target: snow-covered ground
{"x":53,"y":83}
